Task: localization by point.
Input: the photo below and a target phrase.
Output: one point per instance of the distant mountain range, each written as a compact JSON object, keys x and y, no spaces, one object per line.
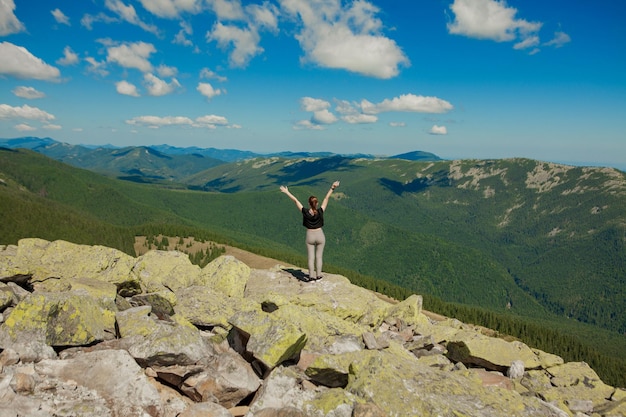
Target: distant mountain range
{"x":162,"y":163}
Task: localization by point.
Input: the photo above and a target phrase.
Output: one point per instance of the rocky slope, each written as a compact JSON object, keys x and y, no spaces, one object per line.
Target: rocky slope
{"x":91,"y":331}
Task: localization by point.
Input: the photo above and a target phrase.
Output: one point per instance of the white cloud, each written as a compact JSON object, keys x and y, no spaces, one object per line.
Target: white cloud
{"x":407,"y":103}
{"x":438,"y":130}
{"x":159,"y":87}
{"x":211,"y":119}
{"x":60,"y":17}
{"x":18,"y":62}
{"x":23,"y":127}
{"x":227,"y":10}
{"x":166,"y":71}
{"x":365,"y":111}
{"x":129,"y":14}
{"x":24,"y":112}
{"x":88,"y":20}
{"x":27,"y":92}
{"x":397,"y":124}
{"x":96,"y":67}
{"x":208,"y":74}
{"x":208,"y":91}
{"x":359,"y":118}
{"x":265,"y":16}
{"x":9,"y":23}
{"x":313,"y":104}
{"x":324,"y":117}
{"x":126,"y":88}
{"x":132,"y":55}
{"x":69,"y":57}
{"x":560,"y":39}
{"x":171,"y":8}
{"x":346,"y":38}
{"x":52,"y":127}
{"x":529,"y":42}
{"x":490,"y":19}
{"x":245,"y":42}
{"x":156,"y":121}
{"x":181,"y":36}
{"x":308,"y":125}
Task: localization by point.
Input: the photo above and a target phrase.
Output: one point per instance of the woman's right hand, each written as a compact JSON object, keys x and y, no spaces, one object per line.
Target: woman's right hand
{"x":284,"y":189}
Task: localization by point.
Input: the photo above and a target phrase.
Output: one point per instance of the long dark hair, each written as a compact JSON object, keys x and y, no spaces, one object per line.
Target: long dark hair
{"x":313,"y":204}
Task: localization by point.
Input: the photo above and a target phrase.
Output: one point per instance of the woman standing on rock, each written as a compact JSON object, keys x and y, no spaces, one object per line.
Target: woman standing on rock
{"x":313,"y":220}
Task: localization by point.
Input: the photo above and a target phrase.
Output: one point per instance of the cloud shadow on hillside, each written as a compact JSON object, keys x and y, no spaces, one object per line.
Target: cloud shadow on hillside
{"x":296,"y":172}
{"x":417,"y":185}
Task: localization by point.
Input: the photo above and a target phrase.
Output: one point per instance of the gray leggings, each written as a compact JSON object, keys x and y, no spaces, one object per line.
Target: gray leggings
{"x":315,"y":241}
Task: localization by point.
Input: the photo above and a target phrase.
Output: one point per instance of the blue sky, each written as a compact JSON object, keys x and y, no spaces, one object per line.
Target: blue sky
{"x":459,"y":78}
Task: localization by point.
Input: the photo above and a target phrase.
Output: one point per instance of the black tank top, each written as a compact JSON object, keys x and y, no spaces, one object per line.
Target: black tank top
{"x":312,"y":221}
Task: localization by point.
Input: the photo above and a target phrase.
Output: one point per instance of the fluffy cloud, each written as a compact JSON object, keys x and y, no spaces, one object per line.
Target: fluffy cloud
{"x":129,"y":14}
{"x":313,"y":104}
{"x":155,"y":122}
{"x":212,"y":120}
{"x":132,"y":55}
{"x":494,"y":20}
{"x":18,"y":62}
{"x":560,"y":39}
{"x":23,"y":127}
{"x":208,"y":91}
{"x":27,"y":92}
{"x":346,"y":38}
{"x":126,"y":88}
{"x":60,"y":17}
{"x":24,"y":112}
{"x":489,"y":19}
{"x":438,"y":130}
{"x":158,"y":87}
{"x":245,"y":42}
{"x":9,"y":24}
{"x":69,"y":57}
{"x":407,"y":103}
{"x":171,"y":8}
{"x":365,"y":111}
{"x":208,"y":74}
{"x":323,"y":117}
{"x":359,"y":118}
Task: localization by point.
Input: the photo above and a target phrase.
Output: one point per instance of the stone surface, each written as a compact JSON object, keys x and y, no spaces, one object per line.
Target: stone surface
{"x":157,"y":336}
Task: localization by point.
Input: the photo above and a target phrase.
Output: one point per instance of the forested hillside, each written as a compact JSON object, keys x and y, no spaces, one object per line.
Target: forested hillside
{"x":520,"y":238}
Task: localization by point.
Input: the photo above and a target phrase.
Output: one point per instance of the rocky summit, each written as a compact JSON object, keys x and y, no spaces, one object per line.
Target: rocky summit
{"x":92,"y":331}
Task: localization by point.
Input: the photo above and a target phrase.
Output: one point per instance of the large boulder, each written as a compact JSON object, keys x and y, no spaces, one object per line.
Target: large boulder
{"x":492,"y":353}
{"x":57,"y":319}
{"x":227,"y":275}
{"x":112,"y":375}
{"x":205,"y":307}
{"x":402,"y":386}
{"x":334,"y":295}
{"x":165,"y":269}
{"x":42,"y":259}
{"x":265,"y":337}
{"x":576,"y":381}
{"x":227,"y":379}
{"x":174,"y":342}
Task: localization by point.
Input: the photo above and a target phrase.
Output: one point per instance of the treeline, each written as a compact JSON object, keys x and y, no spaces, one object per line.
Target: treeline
{"x":202,"y":256}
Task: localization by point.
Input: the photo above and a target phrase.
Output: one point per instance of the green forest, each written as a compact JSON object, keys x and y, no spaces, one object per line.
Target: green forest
{"x":428,"y":234}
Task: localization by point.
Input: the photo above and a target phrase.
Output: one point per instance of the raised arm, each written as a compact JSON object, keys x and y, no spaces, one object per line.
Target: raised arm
{"x":332,"y":188}
{"x":292,"y":197}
